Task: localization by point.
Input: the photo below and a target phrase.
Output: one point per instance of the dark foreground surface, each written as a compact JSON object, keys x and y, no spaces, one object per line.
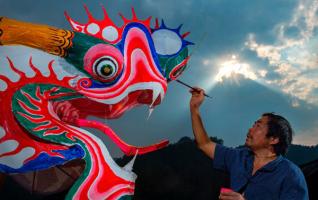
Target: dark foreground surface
{"x":179,"y":171}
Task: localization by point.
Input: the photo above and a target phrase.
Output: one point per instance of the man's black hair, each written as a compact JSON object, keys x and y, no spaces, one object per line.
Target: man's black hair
{"x":279,"y":127}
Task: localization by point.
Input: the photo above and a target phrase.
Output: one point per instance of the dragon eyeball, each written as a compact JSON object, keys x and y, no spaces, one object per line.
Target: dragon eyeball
{"x":104,"y":63}
{"x":105,"y":67}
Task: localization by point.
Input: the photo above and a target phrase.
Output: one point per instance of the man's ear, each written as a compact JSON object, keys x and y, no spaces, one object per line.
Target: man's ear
{"x":274,"y":140}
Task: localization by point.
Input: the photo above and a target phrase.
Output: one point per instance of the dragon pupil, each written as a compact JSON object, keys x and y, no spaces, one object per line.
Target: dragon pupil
{"x":107,"y":70}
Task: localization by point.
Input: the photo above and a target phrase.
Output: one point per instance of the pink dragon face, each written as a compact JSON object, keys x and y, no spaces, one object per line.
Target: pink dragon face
{"x":124,"y":66}
{"x":119,"y":81}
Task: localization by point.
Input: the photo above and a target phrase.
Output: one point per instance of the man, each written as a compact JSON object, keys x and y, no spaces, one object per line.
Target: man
{"x":257,"y":171}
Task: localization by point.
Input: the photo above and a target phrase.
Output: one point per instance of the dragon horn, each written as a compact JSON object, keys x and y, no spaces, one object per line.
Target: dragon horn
{"x":46,"y":38}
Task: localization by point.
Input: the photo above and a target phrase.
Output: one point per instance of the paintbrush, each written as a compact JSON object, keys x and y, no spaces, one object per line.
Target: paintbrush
{"x":183,"y":83}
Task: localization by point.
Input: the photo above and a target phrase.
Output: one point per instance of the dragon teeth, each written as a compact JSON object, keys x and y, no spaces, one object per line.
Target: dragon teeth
{"x":155,"y":94}
{"x":129,"y":166}
{"x":151,"y":109}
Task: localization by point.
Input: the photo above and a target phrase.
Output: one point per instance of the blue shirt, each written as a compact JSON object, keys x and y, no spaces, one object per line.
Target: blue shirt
{"x":279,"y":179}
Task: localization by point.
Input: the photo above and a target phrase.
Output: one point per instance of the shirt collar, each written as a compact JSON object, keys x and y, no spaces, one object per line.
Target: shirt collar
{"x":273,"y":164}
{"x":269,"y":166}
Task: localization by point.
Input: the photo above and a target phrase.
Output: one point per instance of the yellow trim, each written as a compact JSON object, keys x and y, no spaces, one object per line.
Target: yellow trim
{"x":52,"y":40}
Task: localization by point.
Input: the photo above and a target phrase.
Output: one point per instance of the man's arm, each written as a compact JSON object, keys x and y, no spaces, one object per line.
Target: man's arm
{"x":200,"y":135}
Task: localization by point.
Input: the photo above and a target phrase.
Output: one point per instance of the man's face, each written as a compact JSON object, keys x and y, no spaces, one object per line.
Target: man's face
{"x":256,"y":136}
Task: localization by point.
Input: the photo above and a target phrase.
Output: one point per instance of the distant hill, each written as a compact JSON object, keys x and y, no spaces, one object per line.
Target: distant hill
{"x":300,"y":154}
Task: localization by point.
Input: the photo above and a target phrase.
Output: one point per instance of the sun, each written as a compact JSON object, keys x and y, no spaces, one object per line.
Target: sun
{"x":229,"y":69}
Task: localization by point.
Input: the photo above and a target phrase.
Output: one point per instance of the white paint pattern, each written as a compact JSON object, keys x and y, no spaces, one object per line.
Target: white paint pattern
{"x":8,"y":146}
{"x":16,"y":161}
{"x":20,"y":56}
{"x":93,"y":28}
{"x":3,"y":85}
{"x":110,"y":33}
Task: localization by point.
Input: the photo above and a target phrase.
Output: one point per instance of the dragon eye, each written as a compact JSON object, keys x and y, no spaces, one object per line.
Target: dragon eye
{"x":104,"y":63}
{"x":106,"y":68}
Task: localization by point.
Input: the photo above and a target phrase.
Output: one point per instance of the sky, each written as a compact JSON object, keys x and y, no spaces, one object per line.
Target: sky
{"x":250,"y":56}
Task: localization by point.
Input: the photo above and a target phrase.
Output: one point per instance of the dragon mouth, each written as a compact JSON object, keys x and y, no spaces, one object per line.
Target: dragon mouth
{"x":83,"y":107}
{"x":148,"y":93}
{"x":156,"y":89}
{"x":75,"y":112}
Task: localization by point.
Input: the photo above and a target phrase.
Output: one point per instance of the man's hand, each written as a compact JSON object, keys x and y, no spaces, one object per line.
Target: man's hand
{"x":200,"y":135}
{"x":197,"y":98}
{"x":231,"y":196}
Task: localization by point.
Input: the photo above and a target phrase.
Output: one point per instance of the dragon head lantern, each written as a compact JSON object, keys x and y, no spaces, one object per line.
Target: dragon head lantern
{"x":99,"y":69}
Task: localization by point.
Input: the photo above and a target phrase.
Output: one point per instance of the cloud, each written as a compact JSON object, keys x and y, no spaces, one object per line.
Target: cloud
{"x":232,"y":67}
{"x":293,"y":57}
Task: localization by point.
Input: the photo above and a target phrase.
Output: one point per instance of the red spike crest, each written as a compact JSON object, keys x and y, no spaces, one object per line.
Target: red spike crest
{"x":105,"y":29}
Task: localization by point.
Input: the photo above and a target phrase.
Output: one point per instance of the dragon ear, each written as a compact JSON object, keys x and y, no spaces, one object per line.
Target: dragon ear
{"x":46,"y":38}
{"x":169,"y":42}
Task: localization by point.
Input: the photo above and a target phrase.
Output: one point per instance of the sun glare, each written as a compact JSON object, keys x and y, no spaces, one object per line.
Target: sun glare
{"x":231,"y":68}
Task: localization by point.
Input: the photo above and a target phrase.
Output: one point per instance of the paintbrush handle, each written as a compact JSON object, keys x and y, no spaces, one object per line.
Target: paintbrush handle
{"x":183,"y":83}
